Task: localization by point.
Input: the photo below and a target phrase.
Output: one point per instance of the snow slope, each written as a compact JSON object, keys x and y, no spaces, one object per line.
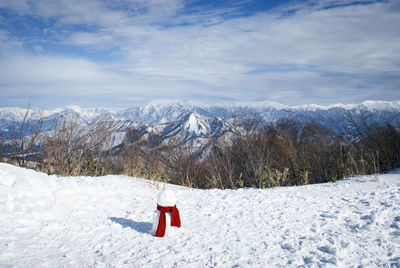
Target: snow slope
{"x":50,"y":221}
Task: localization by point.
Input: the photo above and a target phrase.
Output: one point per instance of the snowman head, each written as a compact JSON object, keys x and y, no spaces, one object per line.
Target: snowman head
{"x":166,"y":198}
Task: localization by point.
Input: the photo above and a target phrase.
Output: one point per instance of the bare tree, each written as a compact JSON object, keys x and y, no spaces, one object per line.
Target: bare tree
{"x":71,"y":149}
{"x":63,"y":148}
{"x":181,"y":164}
{"x":2,"y":148}
{"x":98,"y":148}
{"x":24,"y":136}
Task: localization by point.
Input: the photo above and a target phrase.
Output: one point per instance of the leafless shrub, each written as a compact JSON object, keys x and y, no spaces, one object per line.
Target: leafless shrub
{"x":181,"y":165}
{"x":290,"y":127}
{"x":23,"y":137}
{"x":380,"y":149}
{"x":357,"y":123}
{"x":64,"y":148}
{"x":316,"y":154}
{"x":374,"y":148}
{"x":71,"y":149}
{"x":2,"y":148}
{"x":221,"y":167}
{"x":130,"y":162}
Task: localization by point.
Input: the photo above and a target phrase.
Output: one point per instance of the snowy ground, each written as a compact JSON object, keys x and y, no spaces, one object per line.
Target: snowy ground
{"x":50,"y":221}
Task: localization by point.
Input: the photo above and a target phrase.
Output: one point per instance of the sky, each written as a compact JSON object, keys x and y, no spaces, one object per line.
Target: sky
{"x":126,"y":53}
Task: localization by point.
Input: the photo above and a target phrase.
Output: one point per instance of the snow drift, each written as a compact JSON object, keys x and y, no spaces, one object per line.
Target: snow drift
{"x":51,"y":221}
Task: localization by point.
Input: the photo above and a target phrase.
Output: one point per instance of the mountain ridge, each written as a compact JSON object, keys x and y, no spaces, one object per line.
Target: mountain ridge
{"x":196,"y":125}
{"x":158,"y":105}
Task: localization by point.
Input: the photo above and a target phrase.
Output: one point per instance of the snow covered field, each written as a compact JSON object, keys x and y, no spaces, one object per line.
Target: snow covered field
{"x":50,"y":221}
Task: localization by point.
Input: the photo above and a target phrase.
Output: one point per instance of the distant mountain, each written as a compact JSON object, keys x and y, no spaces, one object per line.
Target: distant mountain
{"x":197,"y":125}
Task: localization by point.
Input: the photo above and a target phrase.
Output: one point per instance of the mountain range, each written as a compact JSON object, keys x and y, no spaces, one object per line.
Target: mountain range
{"x":196,"y":125}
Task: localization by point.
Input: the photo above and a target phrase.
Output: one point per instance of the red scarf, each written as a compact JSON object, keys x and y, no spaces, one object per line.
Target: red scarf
{"x":175,"y":219}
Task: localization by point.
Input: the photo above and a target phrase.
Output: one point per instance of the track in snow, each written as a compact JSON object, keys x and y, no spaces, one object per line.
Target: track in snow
{"x":85,"y":222}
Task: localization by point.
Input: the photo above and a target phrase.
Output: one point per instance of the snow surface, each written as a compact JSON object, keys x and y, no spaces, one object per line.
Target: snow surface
{"x":51,"y":221}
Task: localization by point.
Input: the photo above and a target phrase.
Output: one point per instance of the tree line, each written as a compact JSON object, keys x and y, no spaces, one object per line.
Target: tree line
{"x":280,"y":154}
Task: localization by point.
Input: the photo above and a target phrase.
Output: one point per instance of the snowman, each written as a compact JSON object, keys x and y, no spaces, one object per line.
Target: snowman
{"x":166,"y":215}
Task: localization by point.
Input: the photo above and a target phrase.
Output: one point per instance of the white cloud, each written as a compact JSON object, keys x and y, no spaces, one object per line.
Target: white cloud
{"x":332,"y":50}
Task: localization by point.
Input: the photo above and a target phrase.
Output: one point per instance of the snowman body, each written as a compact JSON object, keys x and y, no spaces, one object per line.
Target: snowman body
{"x":166,"y":198}
{"x":156,"y":218}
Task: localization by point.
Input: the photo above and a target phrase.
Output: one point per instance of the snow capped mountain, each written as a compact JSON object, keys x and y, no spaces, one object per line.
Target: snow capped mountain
{"x":87,"y":115}
{"x":222,"y":126}
{"x":196,"y":124}
{"x":368,"y":105}
{"x":193,"y":130}
{"x":160,"y":112}
{"x":163,"y":111}
{"x":16,"y":113}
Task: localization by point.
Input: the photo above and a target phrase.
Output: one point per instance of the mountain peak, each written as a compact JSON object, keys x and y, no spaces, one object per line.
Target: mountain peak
{"x":196,"y":123}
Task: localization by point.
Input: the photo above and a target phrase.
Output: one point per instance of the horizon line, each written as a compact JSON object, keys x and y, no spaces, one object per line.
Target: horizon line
{"x":250,"y":104}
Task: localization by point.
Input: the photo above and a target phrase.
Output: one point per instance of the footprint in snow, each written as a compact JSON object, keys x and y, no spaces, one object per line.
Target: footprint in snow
{"x":328,"y":215}
{"x":328,"y":250}
{"x":368,"y":219}
{"x":288,"y":248}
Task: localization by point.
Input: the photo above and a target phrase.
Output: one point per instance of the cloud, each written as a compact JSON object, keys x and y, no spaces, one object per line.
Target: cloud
{"x":318,"y":51}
